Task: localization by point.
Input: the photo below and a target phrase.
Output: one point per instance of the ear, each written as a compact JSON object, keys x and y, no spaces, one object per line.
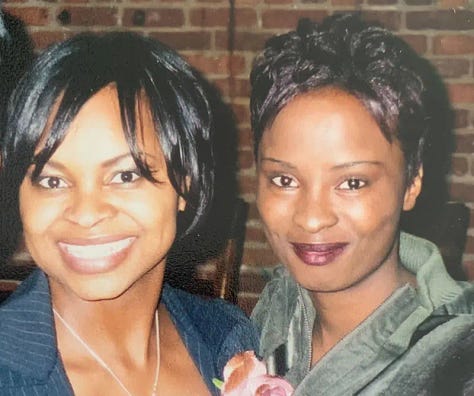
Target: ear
{"x":181,"y":204}
{"x":413,"y":190}
{"x":181,"y":200}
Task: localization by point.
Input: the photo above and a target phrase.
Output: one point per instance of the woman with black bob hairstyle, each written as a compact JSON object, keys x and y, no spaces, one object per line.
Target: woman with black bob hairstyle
{"x":107,"y":144}
{"x":340,"y":121}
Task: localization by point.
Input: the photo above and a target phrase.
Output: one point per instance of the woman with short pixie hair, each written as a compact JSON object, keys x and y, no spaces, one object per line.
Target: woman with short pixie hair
{"x":107,"y":146}
{"x":340,"y":124}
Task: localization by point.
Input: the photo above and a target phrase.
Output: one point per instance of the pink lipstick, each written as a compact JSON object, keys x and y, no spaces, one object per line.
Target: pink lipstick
{"x":318,"y":254}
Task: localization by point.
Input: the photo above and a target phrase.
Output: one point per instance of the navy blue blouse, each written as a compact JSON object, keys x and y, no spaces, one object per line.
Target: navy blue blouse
{"x":212,"y":330}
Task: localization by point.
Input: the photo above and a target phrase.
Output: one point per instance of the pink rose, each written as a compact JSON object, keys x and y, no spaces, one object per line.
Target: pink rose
{"x":245,"y":375}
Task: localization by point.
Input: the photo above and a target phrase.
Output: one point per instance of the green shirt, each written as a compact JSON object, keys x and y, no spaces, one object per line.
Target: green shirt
{"x":399,"y":349}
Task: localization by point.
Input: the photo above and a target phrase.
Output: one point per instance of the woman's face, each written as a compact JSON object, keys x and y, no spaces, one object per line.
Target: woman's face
{"x":90,"y":221}
{"x":330,"y":191}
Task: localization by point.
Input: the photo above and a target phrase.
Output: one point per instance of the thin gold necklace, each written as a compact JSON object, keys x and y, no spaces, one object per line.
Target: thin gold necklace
{"x":105,"y":365}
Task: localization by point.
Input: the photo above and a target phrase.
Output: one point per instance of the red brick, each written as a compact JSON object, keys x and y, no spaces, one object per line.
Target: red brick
{"x":213,"y":17}
{"x":469,"y":270}
{"x":465,"y":143}
{"x":345,"y":3}
{"x":245,"y":138}
{"x":243,"y":41}
{"x":245,"y":159}
{"x":288,"y":19}
{"x":78,"y":1}
{"x":247,"y":184}
{"x":152,"y":17}
{"x":452,"y":3}
{"x":185,"y":40}
{"x":251,"y":3}
{"x":255,"y":234}
{"x":242,"y":112}
{"x":462,"y":192}
{"x":416,"y":41}
{"x":450,"y":68}
{"x":253,"y":281}
{"x":459,"y":166}
{"x":469,"y":249}
{"x":247,"y":303}
{"x":253,"y":212}
{"x":461,"y":93}
{"x":453,"y":45}
{"x":30,"y":16}
{"x":260,"y":257}
{"x":419,"y":2}
{"x":389,"y":19}
{"x":233,"y":87}
{"x":382,"y":2}
{"x":43,"y":39}
{"x":440,"y":19}
{"x":461,"y":118}
{"x":209,"y":17}
{"x":91,"y":16}
{"x":279,"y":1}
{"x":218,"y":64}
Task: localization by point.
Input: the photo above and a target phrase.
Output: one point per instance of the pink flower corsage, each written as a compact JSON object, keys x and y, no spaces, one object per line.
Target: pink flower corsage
{"x":245,"y":375}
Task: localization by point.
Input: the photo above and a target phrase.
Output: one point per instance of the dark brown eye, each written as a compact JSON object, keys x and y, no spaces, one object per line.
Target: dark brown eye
{"x":51,"y":182}
{"x":352,"y":183}
{"x":125,"y":177}
{"x":284,"y":181}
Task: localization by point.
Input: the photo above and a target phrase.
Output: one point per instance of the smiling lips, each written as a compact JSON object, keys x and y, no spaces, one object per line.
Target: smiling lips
{"x":89,"y":258}
{"x":318,"y":254}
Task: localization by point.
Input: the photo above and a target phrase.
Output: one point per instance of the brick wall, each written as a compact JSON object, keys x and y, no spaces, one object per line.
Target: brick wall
{"x":220,"y":38}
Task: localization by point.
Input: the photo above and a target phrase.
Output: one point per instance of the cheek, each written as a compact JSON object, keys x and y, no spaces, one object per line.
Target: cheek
{"x":274,"y":211}
{"x":372,"y":214}
{"x":153,"y":210}
{"x":37,"y":214}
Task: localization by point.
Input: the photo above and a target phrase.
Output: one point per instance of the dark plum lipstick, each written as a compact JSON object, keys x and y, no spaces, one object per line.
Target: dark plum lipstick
{"x":318,"y":254}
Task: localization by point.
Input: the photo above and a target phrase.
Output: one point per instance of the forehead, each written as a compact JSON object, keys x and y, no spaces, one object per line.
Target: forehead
{"x":99,"y":123}
{"x":330,"y":124}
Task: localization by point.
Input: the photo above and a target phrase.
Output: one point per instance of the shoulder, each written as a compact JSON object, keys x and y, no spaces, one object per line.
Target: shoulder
{"x":204,"y":310}
{"x":280,"y":292}
{"x":221,"y":325}
{"x":440,"y":362}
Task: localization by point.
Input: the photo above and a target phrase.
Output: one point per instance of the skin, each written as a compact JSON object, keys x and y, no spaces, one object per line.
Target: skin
{"x":91,"y":193}
{"x":326,"y":174}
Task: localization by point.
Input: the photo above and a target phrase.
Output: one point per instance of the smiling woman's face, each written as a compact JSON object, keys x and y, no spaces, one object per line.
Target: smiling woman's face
{"x":330,"y":191}
{"x":90,"y":221}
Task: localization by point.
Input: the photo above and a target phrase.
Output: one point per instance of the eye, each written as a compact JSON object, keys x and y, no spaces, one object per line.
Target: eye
{"x":284,"y":181}
{"x":125,"y":177}
{"x":352,"y":183}
{"x":52,"y":182}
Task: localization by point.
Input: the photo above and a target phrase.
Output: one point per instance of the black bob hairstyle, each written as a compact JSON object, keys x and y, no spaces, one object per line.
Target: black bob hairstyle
{"x":68,"y":74}
{"x":345,"y":53}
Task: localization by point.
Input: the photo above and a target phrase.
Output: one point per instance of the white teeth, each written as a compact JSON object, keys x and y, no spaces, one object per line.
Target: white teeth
{"x":90,"y":252}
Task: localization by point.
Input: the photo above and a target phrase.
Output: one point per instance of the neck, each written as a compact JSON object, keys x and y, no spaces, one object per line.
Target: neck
{"x":122,"y":327}
{"x":339,"y":313}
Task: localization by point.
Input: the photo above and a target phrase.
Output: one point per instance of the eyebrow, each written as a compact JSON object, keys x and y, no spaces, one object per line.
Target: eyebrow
{"x":279,"y":162}
{"x":356,"y":163}
{"x":338,"y":166}
{"x":106,"y":164}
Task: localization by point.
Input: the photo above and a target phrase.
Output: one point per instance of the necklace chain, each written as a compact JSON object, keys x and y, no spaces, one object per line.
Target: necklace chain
{"x":105,"y":365}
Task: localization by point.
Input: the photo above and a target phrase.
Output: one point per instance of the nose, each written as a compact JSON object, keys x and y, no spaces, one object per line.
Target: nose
{"x":88,"y":208}
{"x":314,"y":212}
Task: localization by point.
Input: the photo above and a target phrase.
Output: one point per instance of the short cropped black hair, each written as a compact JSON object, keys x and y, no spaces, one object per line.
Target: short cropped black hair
{"x":360,"y":58}
{"x":64,"y":77}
